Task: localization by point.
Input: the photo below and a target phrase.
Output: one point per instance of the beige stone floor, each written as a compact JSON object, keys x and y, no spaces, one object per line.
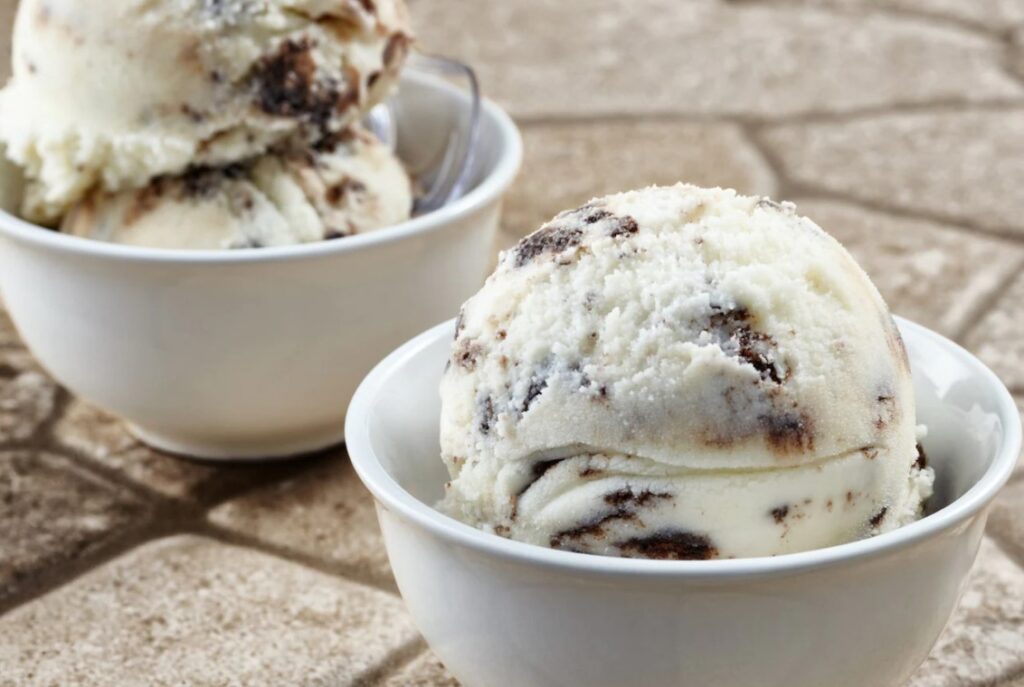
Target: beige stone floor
{"x":896,"y":124}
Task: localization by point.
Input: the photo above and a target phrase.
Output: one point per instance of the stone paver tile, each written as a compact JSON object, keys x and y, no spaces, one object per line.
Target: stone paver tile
{"x":103,"y":438}
{"x":1006,"y":522}
{"x":996,"y":15}
{"x":190,"y":610}
{"x":27,"y":395}
{"x":567,"y":165}
{"x":985,"y":638}
{"x":927,"y":272}
{"x":53,"y":512}
{"x":425,"y":671}
{"x":550,"y":57}
{"x":998,"y":338}
{"x":324,"y":513}
{"x":965,"y":166}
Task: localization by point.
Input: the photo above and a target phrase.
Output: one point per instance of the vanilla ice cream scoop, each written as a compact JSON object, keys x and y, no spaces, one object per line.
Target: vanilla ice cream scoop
{"x":346,"y":184}
{"x":118,"y":92}
{"x":680,"y":373}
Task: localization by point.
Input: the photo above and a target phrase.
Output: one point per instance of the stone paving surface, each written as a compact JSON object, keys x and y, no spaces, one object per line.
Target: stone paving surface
{"x":325,"y":513}
{"x":996,"y":15}
{"x":898,"y":125}
{"x":27,"y":396}
{"x":551,"y":58}
{"x":425,"y":671}
{"x":964,"y":166}
{"x":997,"y":338}
{"x":52,"y":512}
{"x":565,"y":165}
{"x":102,"y":440}
{"x":192,"y":611}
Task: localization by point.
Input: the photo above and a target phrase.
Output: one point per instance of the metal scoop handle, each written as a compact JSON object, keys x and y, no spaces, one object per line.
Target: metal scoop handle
{"x":455,"y":168}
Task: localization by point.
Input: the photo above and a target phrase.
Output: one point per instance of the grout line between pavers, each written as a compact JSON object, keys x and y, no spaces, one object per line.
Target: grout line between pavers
{"x":987,"y":304}
{"x":41,"y":434}
{"x":164,"y":516}
{"x":208,"y":495}
{"x":747,"y":138}
{"x":115,"y":477}
{"x":171,"y":519}
{"x":350,"y":573}
{"x":936,"y":106}
{"x":392,"y":663}
{"x":43,"y":441}
{"x":789,"y":188}
{"x":1006,"y":548}
{"x":268,"y":472}
{"x":752,"y":134}
{"x":51,"y":578}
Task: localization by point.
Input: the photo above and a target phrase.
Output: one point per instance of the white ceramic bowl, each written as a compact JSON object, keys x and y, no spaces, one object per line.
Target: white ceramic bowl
{"x":255,"y":353}
{"x":500,"y":612}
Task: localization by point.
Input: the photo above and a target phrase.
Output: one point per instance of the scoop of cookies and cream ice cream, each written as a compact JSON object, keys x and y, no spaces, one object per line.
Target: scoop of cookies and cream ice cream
{"x":680,"y":373}
{"x":346,"y":184}
{"x":116,"y":93}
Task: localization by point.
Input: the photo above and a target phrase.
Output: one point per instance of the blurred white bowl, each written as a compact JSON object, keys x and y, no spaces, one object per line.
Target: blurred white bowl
{"x":256,"y":353}
{"x":499,"y":612}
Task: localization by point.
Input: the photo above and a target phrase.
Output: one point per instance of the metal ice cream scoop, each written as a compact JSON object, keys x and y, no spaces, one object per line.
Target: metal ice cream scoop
{"x":449,"y":175}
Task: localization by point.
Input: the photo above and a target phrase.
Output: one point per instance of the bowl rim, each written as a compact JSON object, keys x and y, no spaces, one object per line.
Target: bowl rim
{"x":491,"y":187}
{"x":398,"y":501}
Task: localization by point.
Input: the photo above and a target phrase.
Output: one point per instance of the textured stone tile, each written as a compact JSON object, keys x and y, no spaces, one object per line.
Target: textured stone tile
{"x":425,"y":671}
{"x":985,"y":638}
{"x":927,"y":272}
{"x":103,"y":438}
{"x":965,"y":166}
{"x":995,"y":15}
{"x":51,"y":513}
{"x":189,"y":610}
{"x":1006,"y":523}
{"x":550,"y":57}
{"x":324,"y":513}
{"x":566,"y":165}
{"x":27,"y":395}
{"x":998,"y":338}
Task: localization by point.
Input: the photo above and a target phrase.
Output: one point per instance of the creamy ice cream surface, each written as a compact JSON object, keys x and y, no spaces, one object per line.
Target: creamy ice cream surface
{"x":680,"y":373}
{"x":118,"y":92}
{"x":346,"y":184}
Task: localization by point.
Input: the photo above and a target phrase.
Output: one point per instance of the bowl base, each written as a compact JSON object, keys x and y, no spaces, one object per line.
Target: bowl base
{"x":240,"y":450}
